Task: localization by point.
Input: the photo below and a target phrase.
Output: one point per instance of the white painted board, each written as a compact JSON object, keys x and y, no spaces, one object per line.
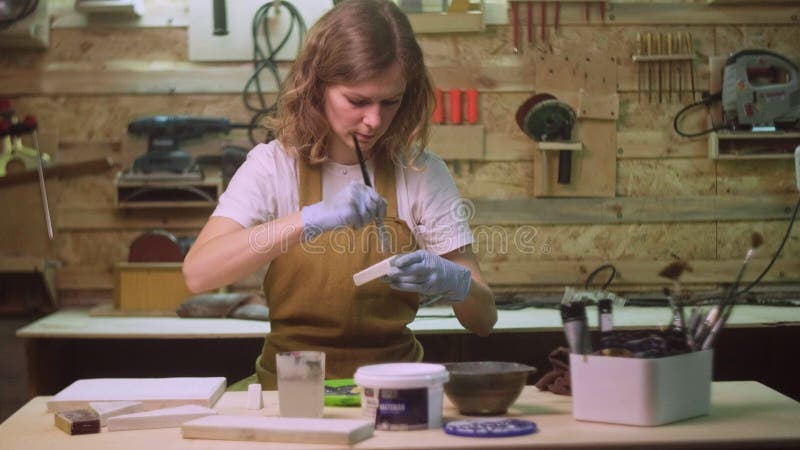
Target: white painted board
{"x":159,"y":418}
{"x":279,"y":429}
{"x":237,"y":45}
{"x":373,"y":272}
{"x":107,"y":410}
{"x":154,"y":393}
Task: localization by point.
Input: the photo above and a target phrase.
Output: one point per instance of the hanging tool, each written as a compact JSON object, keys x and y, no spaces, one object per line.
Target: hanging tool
{"x":544,"y":21}
{"x":640,"y":69}
{"x":669,"y":68}
{"x":760,"y":90}
{"x":659,"y":66}
{"x":165,"y":134}
{"x":515,"y":25}
{"x":679,"y":66}
{"x":529,"y":8}
{"x":438,"y":111}
{"x":690,"y":49}
{"x":15,"y":131}
{"x":545,"y":119}
{"x":472,"y":106}
{"x":649,"y":40}
{"x":557,"y":19}
{"x":455,"y":106}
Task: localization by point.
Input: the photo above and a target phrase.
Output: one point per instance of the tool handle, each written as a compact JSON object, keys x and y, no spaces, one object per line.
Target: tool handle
{"x":564,"y":166}
{"x":455,"y":106}
{"x":472,"y":106}
{"x":438,"y":112}
{"x":220,"y":18}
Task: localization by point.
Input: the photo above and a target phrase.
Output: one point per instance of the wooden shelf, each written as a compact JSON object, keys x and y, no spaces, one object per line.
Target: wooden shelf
{"x":752,"y":145}
{"x":471,"y":21}
{"x":162,"y":193}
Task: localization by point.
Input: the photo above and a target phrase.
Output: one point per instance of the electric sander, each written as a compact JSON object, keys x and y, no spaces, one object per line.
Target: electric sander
{"x":760,"y":91}
{"x":546,"y":119}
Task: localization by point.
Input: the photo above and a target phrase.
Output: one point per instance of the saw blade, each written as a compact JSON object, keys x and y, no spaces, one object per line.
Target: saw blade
{"x":549,"y":120}
{"x":526,"y":107}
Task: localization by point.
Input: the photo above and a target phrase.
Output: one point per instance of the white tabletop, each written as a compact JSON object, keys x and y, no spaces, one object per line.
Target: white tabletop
{"x":77,"y":323}
{"x":743,"y":413}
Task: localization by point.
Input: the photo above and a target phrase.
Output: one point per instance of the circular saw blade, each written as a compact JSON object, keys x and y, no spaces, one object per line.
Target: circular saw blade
{"x":549,"y":120}
{"x":526,"y":107}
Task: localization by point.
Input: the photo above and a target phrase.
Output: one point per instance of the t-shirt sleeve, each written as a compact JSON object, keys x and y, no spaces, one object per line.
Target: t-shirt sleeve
{"x":440,"y":213}
{"x":250,"y":197}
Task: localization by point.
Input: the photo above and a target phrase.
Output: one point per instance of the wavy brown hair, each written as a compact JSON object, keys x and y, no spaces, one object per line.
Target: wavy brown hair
{"x":355,"y":41}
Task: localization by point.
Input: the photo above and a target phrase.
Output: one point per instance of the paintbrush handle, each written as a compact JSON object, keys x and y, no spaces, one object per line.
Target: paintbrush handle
{"x":361,"y":162}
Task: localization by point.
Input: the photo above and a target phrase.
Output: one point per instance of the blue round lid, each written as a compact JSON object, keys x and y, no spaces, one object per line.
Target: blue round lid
{"x":497,"y":427}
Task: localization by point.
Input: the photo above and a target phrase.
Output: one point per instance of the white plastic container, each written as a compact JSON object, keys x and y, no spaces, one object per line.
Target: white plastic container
{"x":402,"y":396}
{"x":639,"y":391}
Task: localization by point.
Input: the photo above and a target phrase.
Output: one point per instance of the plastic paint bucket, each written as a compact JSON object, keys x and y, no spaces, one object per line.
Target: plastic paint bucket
{"x":402,"y":396}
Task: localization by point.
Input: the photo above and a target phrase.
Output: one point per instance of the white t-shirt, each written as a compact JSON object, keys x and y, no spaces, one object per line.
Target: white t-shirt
{"x":265,"y":188}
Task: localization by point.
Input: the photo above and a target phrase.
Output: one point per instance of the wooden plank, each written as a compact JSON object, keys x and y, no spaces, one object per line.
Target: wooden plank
{"x":471,"y":21}
{"x":643,"y":144}
{"x":96,"y":218}
{"x":631,"y":210}
{"x":634,"y":272}
{"x":457,"y":141}
{"x":699,"y":14}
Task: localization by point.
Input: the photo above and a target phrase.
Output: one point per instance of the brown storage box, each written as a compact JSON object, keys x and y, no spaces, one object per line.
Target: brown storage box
{"x":149,"y":286}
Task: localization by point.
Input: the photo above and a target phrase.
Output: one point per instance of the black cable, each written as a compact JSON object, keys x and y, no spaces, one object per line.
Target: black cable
{"x":707,"y":102}
{"x":775,"y":256}
{"x":26,"y":10}
{"x":265,"y":60}
{"x":594,"y":273}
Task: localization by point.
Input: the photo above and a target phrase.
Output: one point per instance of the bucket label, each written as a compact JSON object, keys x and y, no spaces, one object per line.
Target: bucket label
{"x":402,"y":409}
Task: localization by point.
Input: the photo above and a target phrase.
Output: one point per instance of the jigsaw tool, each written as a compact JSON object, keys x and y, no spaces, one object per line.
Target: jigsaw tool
{"x":760,"y":91}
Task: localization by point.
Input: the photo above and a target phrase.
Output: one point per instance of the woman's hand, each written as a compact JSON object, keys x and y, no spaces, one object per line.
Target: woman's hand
{"x":356,"y":205}
{"x":430,"y":275}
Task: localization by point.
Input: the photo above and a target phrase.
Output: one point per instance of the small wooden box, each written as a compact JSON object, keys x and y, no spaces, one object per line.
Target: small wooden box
{"x":149,"y":286}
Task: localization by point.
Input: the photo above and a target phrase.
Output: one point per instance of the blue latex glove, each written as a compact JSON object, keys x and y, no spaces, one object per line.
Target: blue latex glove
{"x":430,"y":275}
{"x":356,"y":204}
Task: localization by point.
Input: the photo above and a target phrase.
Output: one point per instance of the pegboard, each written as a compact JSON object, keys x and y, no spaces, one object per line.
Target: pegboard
{"x":589,"y":86}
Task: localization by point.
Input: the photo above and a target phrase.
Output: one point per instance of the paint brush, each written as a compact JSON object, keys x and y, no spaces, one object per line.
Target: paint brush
{"x":756,"y":240}
{"x":673,"y":272}
{"x":383,"y":239}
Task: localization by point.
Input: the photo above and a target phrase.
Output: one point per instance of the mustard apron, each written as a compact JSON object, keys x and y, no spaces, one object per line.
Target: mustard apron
{"x":314,"y":304}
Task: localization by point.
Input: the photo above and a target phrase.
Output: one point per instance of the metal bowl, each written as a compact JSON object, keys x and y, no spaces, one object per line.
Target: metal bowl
{"x":485,"y":388}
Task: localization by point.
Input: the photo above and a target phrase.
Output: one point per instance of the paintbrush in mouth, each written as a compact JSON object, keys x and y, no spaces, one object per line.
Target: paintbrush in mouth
{"x":727,"y":304}
{"x":383,"y":238}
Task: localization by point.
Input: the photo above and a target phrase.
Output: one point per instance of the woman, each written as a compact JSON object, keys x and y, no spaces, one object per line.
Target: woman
{"x":300,"y":204}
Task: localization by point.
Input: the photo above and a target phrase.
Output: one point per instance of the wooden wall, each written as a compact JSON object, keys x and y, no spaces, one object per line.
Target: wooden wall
{"x":670,"y":199}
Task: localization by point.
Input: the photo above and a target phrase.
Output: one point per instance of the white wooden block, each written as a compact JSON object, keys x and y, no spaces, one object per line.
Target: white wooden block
{"x":279,"y":429}
{"x":154,"y":393}
{"x":373,"y":272}
{"x":160,"y":418}
{"x":113,"y":409}
{"x":254,"y":400}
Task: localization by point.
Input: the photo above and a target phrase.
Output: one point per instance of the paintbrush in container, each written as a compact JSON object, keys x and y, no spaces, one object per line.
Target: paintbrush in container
{"x":673,"y":273}
{"x":728,"y":302}
{"x":383,"y":238}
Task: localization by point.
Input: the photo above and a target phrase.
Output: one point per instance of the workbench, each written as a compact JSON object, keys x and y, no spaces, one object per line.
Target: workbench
{"x":743,"y":414}
{"x":71,"y":344}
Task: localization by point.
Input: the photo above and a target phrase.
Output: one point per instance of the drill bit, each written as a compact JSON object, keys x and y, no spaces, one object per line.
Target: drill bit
{"x":649,"y":68}
{"x":640,"y":69}
{"x":691,"y":62}
{"x":660,"y":85}
{"x":669,"y":68}
{"x":679,"y":65}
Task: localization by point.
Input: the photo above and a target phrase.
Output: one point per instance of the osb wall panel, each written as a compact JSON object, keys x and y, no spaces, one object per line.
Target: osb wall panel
{"x":660,"y":178}
{"x":595,"y":242}
{"x":653,"y":163}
